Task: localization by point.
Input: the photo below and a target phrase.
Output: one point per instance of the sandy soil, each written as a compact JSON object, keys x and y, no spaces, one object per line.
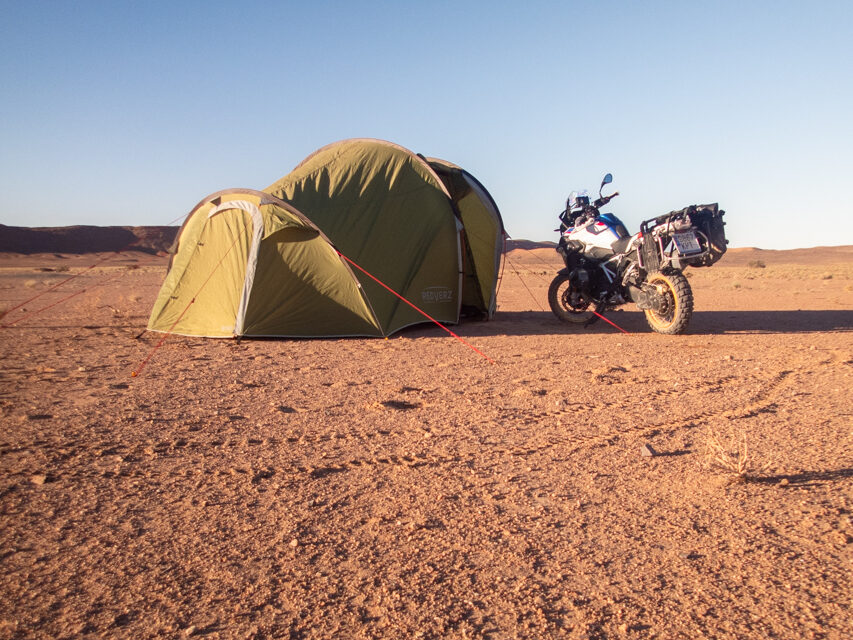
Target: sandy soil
{"x":407,"y":488}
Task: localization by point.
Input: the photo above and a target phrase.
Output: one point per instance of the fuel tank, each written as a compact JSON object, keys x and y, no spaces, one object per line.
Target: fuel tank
{"x":598,"y":236}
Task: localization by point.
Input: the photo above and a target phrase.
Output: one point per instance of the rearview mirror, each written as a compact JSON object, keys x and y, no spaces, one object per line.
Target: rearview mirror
{"x":607,"y":179}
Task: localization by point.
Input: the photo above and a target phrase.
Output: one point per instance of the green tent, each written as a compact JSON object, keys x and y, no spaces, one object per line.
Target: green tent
{"x":483,"y":233}
{"x":316,"y":254}
{"x":247,"y":263}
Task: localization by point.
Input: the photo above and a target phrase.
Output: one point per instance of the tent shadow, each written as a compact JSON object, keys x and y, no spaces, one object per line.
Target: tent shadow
{"x":532,"y":323}
{"x":523,"y":323}
{"x":73,"y":327}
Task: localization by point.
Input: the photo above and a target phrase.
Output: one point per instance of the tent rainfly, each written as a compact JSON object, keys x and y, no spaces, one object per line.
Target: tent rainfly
{"x":278,"y":262}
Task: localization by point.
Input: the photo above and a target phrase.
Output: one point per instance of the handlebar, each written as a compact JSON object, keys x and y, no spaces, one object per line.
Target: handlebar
{"x":588,"y":211}
{"x":603,"y":200}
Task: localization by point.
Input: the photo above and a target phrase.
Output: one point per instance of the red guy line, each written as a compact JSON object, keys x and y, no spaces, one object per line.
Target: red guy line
{"x":77,"y":275}
{"x":421,"y":311}
{"x":142,"y":364}
{"x":515,"y":271}
{"x":609,"y":322}
{"x":68,"y":297}
{"x":56,"y":286}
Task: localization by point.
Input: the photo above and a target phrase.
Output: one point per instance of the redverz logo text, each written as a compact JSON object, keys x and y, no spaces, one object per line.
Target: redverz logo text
{"x":433,"y":295}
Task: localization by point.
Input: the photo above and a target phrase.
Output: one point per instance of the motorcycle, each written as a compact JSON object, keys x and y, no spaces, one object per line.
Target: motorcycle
{"x":607,"y":267}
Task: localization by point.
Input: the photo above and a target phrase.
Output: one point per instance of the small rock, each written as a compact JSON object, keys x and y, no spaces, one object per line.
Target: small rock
{"x":839,"y":537}
{"x":263,"y":474}
{"x":783,"y":482}
{"x":122,"y":620}
{"x":647,"y":451}
{"x":190,"y":630}
{"x":39,"y":479}
{"x":294,"y":543}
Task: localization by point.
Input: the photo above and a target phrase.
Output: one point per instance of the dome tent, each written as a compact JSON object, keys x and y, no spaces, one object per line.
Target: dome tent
{"x":249,"y":264}
{"x":386,"y":210}
{"x":483,"y":232}
{"x":285,"y":269}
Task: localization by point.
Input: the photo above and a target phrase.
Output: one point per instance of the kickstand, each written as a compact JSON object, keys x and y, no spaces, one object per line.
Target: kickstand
{"x":594,"y":318}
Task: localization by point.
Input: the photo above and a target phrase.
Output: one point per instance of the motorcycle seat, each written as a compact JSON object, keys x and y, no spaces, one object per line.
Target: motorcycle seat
{"x":621,"y":245}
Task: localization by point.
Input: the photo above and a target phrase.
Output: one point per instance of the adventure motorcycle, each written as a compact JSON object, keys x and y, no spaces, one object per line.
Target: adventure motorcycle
{"x":606,"y":267}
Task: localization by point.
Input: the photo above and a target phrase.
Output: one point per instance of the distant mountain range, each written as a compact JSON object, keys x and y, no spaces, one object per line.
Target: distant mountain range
{"x":91,"y":239}
{"x":85,"y":239}
{"x":528,"y":244}
{"x":82,"y":239}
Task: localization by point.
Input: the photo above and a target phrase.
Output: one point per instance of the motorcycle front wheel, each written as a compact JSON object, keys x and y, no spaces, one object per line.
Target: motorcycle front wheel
{"x":567,"y":303}
{"x":676,"y":308}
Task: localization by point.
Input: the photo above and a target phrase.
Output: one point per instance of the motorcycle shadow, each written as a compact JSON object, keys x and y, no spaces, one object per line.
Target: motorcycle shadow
{"x":792,"y":321}
{"x":523,"y":323}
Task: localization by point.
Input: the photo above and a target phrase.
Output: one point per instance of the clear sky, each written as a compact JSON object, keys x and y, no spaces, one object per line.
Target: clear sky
{"x":125,"y":112}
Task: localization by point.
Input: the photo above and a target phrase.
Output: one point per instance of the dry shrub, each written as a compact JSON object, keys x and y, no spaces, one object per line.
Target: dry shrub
{"x":61,"y":269}
{"x":31,"y":283}
{"x":756,"y":264}
{"x":731,"y":455}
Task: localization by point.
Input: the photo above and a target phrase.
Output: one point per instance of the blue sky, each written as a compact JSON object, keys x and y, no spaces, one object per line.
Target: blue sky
{"x":130,"y":112}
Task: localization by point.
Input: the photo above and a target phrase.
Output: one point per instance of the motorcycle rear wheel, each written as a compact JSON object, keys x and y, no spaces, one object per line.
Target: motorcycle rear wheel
{"x":674,"y":315}
{"x":567,"y":303}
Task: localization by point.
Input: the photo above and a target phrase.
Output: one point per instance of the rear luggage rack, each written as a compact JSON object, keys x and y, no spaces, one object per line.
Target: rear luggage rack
{"x":707,"y":219}
{"x":649,"y":253}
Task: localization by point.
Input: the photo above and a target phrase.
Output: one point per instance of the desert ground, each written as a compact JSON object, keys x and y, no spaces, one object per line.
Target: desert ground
{"x":410,"y":488}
